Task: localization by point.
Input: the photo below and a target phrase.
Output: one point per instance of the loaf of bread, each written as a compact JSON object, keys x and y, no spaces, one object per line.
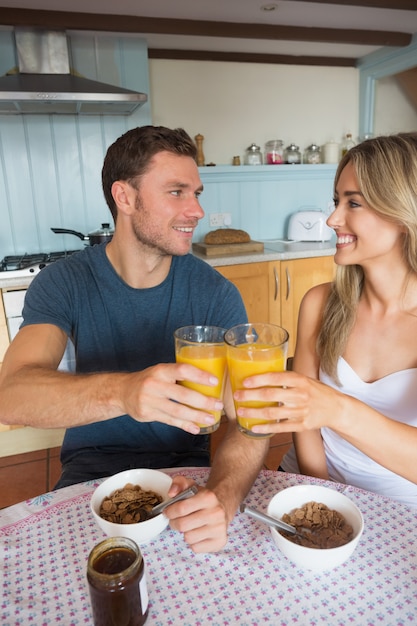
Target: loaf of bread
{"x":226,"y":235}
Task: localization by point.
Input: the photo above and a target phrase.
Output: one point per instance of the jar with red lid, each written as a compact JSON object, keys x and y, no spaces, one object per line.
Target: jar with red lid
{"x":274,"y":152}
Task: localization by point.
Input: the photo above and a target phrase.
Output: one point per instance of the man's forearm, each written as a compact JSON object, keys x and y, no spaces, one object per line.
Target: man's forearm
{"x":236,"y":465}
{"x":49,"y":399}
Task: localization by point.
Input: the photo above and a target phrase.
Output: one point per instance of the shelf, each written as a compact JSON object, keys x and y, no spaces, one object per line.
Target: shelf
{"x":258,"y":173}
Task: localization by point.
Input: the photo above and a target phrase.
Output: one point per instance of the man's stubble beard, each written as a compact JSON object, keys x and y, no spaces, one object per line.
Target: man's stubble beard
{"x":140,"y":228}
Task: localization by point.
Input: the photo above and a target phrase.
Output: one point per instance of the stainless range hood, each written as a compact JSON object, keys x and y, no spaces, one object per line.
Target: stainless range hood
{"x":45,"y":85}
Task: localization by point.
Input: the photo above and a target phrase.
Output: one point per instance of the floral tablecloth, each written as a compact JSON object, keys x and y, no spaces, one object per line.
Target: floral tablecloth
{"x":45,"y":542}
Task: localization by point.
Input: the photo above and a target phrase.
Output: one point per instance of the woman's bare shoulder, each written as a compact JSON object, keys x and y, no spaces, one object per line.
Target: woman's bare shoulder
{"x":312,"y":307}
{"x":310,"y":319}
{"x":317,"y":296}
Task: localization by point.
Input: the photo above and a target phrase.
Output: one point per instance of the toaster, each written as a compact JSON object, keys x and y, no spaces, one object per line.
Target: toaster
{"x":309,"y":226}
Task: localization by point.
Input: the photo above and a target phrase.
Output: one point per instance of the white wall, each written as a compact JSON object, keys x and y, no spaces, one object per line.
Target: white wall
{"x":235,"y":104}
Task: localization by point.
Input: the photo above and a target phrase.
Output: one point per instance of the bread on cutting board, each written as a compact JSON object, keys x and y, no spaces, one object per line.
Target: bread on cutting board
{"x":226,"y":241}
{"x":226,"y":235}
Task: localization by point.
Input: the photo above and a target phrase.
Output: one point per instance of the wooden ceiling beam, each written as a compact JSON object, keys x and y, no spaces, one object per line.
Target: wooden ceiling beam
{"x":398,"y":5}
{"x":136,"y":24}
{"x":249,"y":57}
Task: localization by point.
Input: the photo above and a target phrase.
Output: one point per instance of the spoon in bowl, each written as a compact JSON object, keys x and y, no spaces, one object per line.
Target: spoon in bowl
{"x":272,"y":521}
{"x":159,"y":508}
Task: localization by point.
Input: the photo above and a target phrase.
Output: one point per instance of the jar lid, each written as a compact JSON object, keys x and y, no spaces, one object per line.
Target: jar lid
{"x":253,"y":148}
{"x":293,"y":147}
{"x":273,"y":142}
{"x":314,"y":147}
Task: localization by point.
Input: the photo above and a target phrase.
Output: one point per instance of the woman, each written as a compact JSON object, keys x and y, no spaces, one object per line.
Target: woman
{"x":352,"y":399}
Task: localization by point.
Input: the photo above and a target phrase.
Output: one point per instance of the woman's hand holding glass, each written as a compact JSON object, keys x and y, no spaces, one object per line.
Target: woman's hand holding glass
{"x":297,"y":403}
{"x":254,"y":349}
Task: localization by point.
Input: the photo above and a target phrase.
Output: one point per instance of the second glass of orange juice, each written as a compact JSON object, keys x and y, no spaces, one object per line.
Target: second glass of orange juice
{"x":254,"y":349}
{"x":203,"y":347}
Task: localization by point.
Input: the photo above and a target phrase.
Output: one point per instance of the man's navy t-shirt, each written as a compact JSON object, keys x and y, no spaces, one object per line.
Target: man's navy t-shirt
{"x":116,"y":328}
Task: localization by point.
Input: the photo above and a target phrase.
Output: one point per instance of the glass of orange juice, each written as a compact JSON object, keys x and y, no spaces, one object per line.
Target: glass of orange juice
{"x":203,"y":347}
{"x":254,"y":349}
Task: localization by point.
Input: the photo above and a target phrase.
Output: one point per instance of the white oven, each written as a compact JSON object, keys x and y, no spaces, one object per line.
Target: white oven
{"x":13,"y":306}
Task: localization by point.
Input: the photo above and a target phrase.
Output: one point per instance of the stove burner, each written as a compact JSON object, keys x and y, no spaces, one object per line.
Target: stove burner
{"x":56,"y":256}
{"x":22,"y":262}
{"x":19,"y":262}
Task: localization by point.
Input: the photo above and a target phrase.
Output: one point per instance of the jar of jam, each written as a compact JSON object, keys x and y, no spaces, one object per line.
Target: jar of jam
{"x":274,"y":152}
{"x":312,"y":154}
{"x":292,"y":154}
{"x":117,"y":583}
{"x":253,"y":155}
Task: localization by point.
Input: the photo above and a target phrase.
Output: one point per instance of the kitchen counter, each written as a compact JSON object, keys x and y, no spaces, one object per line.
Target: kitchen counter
{"x":274,"y":250}
{"x":23,"y":439}
{"x":14,"y":283}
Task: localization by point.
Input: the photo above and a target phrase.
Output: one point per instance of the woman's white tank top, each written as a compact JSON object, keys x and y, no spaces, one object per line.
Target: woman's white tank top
{"x":395,"y":396}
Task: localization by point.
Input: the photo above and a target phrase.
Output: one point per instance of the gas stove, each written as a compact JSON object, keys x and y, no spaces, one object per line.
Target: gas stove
{"x":28,"y":265}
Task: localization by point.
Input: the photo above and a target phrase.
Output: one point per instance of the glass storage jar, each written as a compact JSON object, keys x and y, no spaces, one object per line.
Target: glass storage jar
{"x":292,"y":154}
{"x":117,"y":583}
{"x":274,"y":152}
{"x":347,"y":144}
{"x":312,"y":154}
{"x":253,"y":155}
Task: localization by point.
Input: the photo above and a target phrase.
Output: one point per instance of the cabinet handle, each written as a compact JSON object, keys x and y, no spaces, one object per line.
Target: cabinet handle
{"x":276,"y":280}
{"x":288,"y":276}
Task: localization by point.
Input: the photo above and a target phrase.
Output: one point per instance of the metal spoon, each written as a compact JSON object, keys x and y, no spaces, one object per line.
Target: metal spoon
{"x":272,"y":521}
{"x":156,"y":510}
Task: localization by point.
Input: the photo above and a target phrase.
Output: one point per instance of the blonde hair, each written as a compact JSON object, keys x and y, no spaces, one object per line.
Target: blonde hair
{"x":386,"y":169}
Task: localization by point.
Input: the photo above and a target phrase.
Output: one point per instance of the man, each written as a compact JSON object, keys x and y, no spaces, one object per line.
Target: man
{"x":120,"y":303}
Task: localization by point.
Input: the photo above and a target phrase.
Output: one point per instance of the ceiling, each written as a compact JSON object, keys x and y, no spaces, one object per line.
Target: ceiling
{"x":327,"y":32}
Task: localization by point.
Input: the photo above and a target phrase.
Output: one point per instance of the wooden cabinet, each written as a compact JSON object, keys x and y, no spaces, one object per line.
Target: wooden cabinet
{"x":272,"y":291}
{"x":297,"y":277}
{"x":257,"y":289}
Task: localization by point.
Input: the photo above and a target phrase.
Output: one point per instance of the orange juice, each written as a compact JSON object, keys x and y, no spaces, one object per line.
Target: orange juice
{"x":210,"y":358}
{"x":246,"y":360}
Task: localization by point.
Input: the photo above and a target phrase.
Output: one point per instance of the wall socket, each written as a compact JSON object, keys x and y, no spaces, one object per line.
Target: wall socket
{"x":217,"y":220}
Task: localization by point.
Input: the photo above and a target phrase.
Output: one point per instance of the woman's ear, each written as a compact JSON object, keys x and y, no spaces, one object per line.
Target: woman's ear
{"x":124,"y":195}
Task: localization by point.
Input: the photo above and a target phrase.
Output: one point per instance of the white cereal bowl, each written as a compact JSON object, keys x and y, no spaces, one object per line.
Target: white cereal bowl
{"x":148,"y":479}
{"x":315,"y":559}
